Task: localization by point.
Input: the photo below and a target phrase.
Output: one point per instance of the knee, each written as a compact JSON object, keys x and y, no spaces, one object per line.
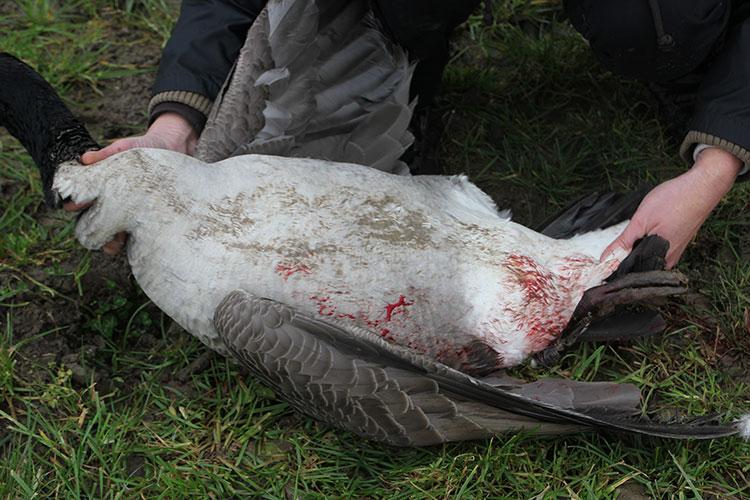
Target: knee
{"x":653,"y":40}
{"x":423,"y":26}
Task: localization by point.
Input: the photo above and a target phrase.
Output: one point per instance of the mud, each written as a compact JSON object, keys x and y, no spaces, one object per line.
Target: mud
{"x":119,"y":107}
{"x":52,"y":322}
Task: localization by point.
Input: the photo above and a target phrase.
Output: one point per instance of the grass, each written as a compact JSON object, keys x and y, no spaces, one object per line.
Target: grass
{"x":96,"y":395}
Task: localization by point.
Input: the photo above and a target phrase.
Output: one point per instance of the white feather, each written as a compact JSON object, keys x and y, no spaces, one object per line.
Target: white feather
{"x":743,"y":426}
{"x":426,"y":262}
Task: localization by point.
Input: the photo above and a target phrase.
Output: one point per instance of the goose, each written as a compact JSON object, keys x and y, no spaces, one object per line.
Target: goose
{"x":380,"y":303}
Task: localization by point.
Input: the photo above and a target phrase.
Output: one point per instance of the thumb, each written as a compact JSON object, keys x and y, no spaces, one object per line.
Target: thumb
{"x":632,"y":233}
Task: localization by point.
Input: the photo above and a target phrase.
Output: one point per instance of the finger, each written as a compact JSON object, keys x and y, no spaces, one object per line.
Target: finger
{"x":71,"y":206}
{"x":118,"y":242}
{"x":632,"y":233}
{"x":94,"y":156}
{"x":118,"y":146}
{"x":670,"y":262}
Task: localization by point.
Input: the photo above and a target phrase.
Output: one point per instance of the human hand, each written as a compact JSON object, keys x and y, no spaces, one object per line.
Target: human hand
{"x":677,"y":208}
{"x":169,"y":131}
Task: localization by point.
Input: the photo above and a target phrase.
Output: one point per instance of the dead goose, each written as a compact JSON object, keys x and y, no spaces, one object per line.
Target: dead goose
{"x":365,"y":299}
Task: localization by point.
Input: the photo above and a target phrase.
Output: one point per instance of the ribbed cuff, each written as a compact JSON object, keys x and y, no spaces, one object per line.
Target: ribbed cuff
{"x":196,"y":101}
{"x":694,"y":138}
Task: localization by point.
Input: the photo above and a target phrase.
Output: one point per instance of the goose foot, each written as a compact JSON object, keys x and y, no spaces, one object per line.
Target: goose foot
{"x":598,"y":319}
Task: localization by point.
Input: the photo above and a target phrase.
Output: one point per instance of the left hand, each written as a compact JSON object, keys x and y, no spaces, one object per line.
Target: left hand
{"x":169,"y":131}
{"x":677,"y":208}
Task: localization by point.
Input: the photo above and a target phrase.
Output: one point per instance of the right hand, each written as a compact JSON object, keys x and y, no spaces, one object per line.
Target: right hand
{"x":169,"y":131}
{"x":676,"y":208}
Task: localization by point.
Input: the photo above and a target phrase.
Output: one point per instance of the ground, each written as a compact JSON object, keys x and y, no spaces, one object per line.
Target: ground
{"x":100,"y":396}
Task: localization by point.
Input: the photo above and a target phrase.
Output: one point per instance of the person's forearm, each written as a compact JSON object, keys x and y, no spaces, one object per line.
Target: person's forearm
{"x":676,"y":209}
{"x":717,"y":170}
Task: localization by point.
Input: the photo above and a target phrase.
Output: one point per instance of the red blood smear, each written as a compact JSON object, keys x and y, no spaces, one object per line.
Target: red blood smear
{"x":327,"y":308}
{"x":324,"y":309}
{"x":286,"y":270}
{"x":536,"y":282}
{"x":390,"y":308}
{"x":548,"y":297}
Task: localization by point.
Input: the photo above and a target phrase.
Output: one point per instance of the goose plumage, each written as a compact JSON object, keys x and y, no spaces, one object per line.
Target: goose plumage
{"x":383,"y":304}
{"x":338,"y":296}
{"x":425,"y":262}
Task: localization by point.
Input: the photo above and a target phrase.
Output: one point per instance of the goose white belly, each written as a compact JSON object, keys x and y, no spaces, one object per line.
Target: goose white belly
{"x":425,"y":262}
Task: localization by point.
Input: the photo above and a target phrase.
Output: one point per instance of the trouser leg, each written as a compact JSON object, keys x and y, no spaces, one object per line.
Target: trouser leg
{"x":423,"y":27}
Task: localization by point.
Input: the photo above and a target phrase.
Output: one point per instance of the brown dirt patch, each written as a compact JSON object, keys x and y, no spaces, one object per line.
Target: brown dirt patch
{"x":119,"y":107}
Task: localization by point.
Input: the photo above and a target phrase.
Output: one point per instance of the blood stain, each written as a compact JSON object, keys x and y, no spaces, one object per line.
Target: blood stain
{"x":390,"y":309}
{"x":287,"y":270}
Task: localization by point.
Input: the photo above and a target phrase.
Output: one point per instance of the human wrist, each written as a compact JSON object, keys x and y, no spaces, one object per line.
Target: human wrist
{"x":717,"y":168}
{"x":174,"y":130}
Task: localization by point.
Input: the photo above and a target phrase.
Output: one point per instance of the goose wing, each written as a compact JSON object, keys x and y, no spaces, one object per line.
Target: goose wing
{"x":317,"y":80}
{"x":354,"y":380}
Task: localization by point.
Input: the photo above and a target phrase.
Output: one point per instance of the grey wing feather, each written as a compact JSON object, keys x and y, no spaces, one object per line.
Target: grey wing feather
{"x":318,"y":80}
{"x":350,"y":378}
{"x":347,"y":388}
{"x":226,"y":130}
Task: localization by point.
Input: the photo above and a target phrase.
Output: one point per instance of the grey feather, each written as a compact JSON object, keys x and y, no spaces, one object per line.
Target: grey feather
{"x":319,"y":80}
{"x":226,"y":131}
{"x":352,"y":379}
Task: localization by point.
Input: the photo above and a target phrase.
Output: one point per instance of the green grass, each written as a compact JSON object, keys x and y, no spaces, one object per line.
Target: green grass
{"x":96,"y":398}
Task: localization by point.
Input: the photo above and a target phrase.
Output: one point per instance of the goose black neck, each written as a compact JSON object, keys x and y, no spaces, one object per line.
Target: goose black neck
{"x":33,"y":113}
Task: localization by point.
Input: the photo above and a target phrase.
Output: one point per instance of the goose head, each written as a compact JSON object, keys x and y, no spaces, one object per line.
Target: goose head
{"x":33,"y":113}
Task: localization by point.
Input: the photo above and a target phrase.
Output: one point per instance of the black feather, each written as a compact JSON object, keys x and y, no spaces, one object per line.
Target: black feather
{"x":624,"y":325}
{"x":594,"y":211}
{"x":648,"y":254}
{"x":34,"y":114}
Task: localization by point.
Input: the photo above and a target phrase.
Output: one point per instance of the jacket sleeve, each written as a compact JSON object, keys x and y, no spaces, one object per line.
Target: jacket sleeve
{"x":722,"y":111}
{"x":197,"y":58}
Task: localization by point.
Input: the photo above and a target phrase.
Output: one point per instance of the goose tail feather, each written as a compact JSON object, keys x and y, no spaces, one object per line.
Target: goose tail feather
{"x":605,"y":309}
{"x":594,"y":211}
